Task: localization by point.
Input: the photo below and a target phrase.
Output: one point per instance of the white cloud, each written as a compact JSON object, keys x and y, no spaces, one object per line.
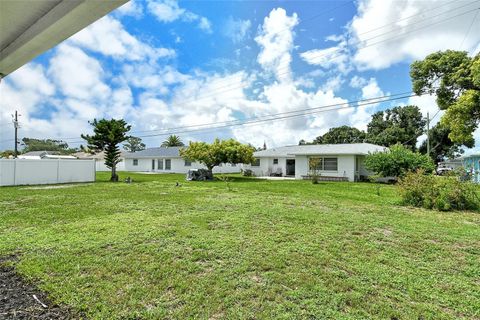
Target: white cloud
{"x":133,"y":8}
{"x":276,"y":43}
{"x":237,"y":29}
{"x":388,"y":32}
{"x":167,"y":11}
{"x":76,"y":74}
{"x":357,"y":82}
{"x":328,"y":58}
{"x":108,"y":37}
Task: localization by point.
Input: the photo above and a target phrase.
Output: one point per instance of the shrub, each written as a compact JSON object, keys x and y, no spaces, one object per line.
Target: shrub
{"x":247,"y":172}
{"x":442,"y":193}
{"x":397,"y":161}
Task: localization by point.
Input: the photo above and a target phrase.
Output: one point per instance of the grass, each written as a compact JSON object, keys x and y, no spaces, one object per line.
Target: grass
{"x":251,"y":250}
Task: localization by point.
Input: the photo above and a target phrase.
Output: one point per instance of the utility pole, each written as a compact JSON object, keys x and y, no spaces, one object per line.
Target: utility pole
{"x":428,"y":134}
{"x":15,"y":125}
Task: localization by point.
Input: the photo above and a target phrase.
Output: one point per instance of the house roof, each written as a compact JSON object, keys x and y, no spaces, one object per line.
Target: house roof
{"x":30,"y":28}
{"x":38,"y":153}
{"x":320,"y":149}
{"x":162,"y":152}
{"x":96,"y":156}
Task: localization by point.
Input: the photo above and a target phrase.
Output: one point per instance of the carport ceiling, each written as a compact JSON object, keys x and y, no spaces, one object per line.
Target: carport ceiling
{"x":31,"y":27}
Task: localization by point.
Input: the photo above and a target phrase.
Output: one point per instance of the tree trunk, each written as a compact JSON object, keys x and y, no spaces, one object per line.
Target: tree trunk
{"x":114,"y":177}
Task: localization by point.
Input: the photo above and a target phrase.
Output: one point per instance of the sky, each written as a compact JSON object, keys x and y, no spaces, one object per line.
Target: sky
{"x":185,"y":67}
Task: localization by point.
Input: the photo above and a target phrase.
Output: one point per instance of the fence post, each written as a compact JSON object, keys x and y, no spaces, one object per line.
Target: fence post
{"x":58,"y":169}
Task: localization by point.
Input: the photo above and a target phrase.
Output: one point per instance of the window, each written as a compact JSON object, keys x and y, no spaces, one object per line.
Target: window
{"x":256,"y":163}
{"x":330,"y":164}
{"x":153,"y":164}
{"x":188,"y":163}
{"x":135,"y":162}
{"x":168,"y":164}
{"x":323,"y":164}
{"x":160,"y":164}
{"x":275,"y":161}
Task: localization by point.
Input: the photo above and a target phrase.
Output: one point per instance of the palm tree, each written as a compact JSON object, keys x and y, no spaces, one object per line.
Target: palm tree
{"x":173,"y":141}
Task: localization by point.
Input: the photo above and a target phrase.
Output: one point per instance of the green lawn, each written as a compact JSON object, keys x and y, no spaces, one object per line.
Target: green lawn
{"x":262,"y":250}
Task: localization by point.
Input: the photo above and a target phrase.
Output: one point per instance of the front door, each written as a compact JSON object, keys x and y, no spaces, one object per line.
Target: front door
{"x":290,"y":169}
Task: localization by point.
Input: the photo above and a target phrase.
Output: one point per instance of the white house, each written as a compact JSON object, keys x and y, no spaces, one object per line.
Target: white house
{"x":100,"y":160}
{"x":336,"y":161}
{"x":168,"y":160}
{"x":37,"y":155}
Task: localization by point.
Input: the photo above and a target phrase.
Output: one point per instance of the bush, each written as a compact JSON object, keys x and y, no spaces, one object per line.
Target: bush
{"x":442,"y":193}
{"x":397,"y":161}
{"x":247,"y":172}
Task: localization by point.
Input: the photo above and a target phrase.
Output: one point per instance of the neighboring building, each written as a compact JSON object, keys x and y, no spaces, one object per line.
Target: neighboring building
{"x":471,"y":164}
{"x":452,"y":164}
{"x":168,"y":160}
{"x":37,"y":155}
{"x":100,"y":160}
{"x":345,"y":161}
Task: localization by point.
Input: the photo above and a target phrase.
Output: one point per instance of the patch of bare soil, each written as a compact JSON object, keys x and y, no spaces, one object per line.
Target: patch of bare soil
{"x":57,"y":186}
{"x":21,"y":300}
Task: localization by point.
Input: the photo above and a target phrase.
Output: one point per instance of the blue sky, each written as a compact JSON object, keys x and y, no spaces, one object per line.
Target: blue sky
{"x":168,"y":66}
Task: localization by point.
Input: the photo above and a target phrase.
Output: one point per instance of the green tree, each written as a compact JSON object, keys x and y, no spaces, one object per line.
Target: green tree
{"x":397,"y":125}
{"x":343,"y":134}
{"x":441,"y":146}
{"x":397,"y":161}
{"x":220,"y":151}
{"x":108,"y":134}
{"x":134,"y":144}
{"x":31,"y":144}
{"x":7,"y":154}
{"x":455,"y":79}
{"x":173,"y":141}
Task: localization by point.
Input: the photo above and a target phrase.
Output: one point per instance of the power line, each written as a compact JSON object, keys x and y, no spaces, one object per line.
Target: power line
{"x":469,"y":28}
{"x":287,"y":115}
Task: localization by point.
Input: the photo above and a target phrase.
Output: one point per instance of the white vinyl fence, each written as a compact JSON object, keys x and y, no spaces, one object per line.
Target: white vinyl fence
{"x":14,"y":172}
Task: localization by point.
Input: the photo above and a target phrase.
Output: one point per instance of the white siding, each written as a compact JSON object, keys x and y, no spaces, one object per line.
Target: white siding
{"x":45,"y":171}
{"x":346,"y":166}
{"x":177,"y":166}
{"x":100,"y":165}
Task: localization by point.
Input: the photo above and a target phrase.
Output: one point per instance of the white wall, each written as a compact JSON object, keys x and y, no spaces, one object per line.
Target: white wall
{"x":45,"y":171}
{"x":177,"y":166}
{"x":345,"y":168}
{"x":100,"y":165}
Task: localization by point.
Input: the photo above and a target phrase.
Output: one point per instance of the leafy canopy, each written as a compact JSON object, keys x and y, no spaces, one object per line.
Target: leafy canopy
{"x":397,"y":161}
{"x":343,"y":134}
{"x":108,"y":134}
{"x":173,"y":141}
{"x":134,"y":144}
{"x":220,"y":151}
{"x":397,"y":125}
{"x":455,"y":79}
{"x":441,"y":146}
{"x":31,"y":144}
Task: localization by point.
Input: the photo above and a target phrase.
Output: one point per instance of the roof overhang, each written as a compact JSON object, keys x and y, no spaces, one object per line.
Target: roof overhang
{"x":29,"y":28}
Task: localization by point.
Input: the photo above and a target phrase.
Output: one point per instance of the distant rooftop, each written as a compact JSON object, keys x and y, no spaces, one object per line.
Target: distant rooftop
{"x":321,"y":149}
{"x":172,"y":152}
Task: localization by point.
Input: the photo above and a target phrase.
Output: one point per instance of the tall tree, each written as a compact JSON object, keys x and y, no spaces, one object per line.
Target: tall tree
{"x":220,"y":151}
{"x":108,"y":134}
{"x":134,"y":144}
{"x":343,"y":134}
{"x":441,"y":146}
{"x":173,"y":141}
{"x":31,"y":144}
{"x":455,"y":79}
{"x":397,"y":125}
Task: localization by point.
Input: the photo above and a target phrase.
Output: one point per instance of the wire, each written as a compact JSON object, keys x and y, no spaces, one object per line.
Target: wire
{"x":469,"y":28}
{"x":288,"y":115}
